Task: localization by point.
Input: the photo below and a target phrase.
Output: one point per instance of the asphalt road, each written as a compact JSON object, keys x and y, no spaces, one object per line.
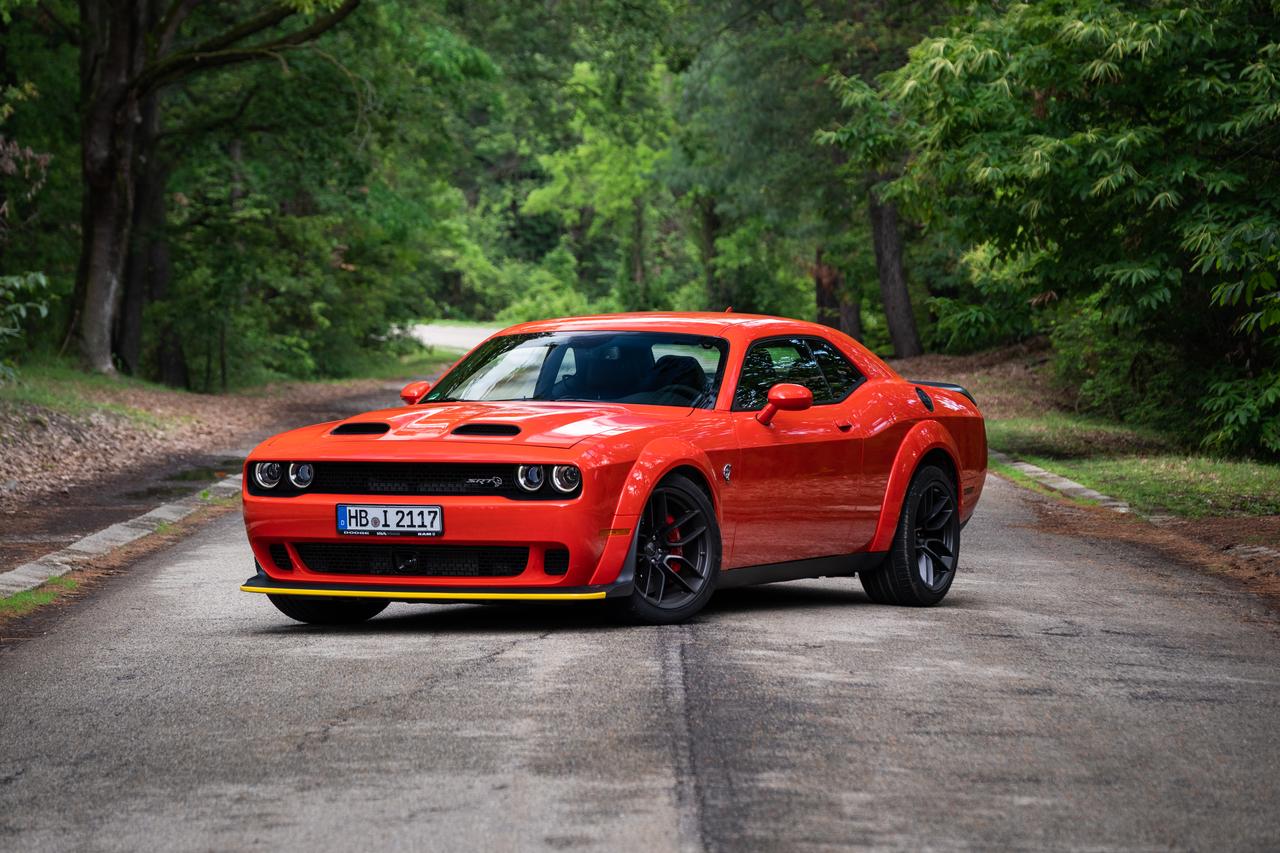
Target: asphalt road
{"x":1069,"y":694}
{"x":453,"y":337}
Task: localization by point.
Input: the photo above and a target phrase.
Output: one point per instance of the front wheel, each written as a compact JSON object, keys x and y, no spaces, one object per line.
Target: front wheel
{"x":328,"y":611}
{"x":677,"y":553}
{"x":926,"y":547}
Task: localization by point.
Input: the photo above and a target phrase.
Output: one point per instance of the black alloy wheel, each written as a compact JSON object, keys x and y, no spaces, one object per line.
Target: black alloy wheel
{"x":677,"y":553}
{"x":922,"y":562}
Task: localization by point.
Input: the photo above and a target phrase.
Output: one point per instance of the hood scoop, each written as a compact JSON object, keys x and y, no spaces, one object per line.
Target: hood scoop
{"x":361,"y":428}
{"x":487,"y":429}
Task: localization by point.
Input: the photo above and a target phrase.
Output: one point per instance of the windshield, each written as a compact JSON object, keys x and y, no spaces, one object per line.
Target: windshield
{"x":650,"y":368}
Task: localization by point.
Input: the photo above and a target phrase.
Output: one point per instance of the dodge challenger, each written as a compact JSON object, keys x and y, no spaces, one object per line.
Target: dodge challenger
{"x":644,"y":459}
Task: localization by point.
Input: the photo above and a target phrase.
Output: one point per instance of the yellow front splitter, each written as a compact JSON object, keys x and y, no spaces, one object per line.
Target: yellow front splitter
{"x":434,"y":595}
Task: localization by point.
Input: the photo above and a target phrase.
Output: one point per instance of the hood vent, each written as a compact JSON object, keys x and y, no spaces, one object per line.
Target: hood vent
{"x":361,"y":428}
{"x":487,"y":429}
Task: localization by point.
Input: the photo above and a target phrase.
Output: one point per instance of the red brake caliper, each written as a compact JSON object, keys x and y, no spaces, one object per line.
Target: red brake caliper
{"x":678,"y":550}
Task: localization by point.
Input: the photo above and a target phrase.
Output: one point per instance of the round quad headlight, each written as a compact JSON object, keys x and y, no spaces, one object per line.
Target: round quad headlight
{"x":566,"y":478}
{"x":531,"y":477}
{"x":301,"y":474}
{"x":267,"y":474}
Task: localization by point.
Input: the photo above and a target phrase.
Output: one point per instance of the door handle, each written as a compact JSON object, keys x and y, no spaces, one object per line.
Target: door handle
{"x":844,"y":426}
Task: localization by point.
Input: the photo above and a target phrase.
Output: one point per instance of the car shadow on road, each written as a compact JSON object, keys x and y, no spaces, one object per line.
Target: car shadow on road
{"x":525,"y":618}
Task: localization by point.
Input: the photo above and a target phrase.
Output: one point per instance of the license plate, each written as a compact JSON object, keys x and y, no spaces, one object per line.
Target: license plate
{"x":379,"y":520}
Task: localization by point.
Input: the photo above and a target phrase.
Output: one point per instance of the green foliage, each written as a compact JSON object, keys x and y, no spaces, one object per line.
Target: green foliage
{"x":1128,"y":150}
{"x":1244,"y":412}
{"x":21,"y":296}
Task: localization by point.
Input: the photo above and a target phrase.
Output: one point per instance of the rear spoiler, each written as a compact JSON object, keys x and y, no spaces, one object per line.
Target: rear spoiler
{"x":946,"y":386}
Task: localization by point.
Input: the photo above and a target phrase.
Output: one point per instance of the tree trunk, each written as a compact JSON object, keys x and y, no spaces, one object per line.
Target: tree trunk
{"x":719,"y":291}
{"x":887,"y":238}
{"x":828,"y":282}
{"x":111,"y":54}
{"x":148,"y":256}
{"x":851,"y":317}
{"x":638,"y":275}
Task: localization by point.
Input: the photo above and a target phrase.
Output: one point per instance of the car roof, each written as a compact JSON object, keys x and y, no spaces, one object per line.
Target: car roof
{"x":694,"y":322}
{"x":742,"y":327}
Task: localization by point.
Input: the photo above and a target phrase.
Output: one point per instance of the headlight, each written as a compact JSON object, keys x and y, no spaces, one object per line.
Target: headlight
{"x":301,"y":474}
{"x":531,"y":477}
{"x":566,"y":478}
{"x":267,"y":474}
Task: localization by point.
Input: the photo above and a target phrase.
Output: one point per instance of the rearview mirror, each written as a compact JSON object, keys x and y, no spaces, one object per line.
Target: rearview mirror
{"x":785,"y":397}
{"x":414,"y":391}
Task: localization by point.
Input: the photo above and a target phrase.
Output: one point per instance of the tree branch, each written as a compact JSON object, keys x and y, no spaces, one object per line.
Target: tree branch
{"x":221,"y":51}
{"x":71,"y":33}
{"x":178,"y":12}
{"x":213,"y":124}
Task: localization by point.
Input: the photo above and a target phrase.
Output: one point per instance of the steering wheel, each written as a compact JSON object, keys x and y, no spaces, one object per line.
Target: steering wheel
{"x":681,"y":390}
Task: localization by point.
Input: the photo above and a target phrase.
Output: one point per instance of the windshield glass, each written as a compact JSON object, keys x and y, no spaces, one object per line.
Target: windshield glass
{"x":650,"y":368}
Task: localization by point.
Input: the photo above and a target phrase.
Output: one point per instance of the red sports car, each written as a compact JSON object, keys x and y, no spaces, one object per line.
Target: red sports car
{"x":647,"y":459}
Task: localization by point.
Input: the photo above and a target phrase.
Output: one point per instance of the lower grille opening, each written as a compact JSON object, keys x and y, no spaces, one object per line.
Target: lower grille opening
{"x":555,"y":561}
{"x":453,"y":561}
{"x":280,"y":556}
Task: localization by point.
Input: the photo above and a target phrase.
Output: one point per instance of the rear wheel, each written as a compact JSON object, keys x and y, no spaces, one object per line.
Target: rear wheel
{"x":922,"y":561}
{"x":677,"y":553}
{"x":328,"y":611}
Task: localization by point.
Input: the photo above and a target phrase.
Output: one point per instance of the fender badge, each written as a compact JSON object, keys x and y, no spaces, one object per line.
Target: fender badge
{"x":728,"y":472}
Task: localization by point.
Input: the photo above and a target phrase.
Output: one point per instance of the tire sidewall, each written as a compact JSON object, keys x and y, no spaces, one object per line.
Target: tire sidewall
{"x":904,"y":541}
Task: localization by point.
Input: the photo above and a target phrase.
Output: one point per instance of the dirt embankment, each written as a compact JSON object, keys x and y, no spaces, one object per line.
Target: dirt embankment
{"x":48,"y":451}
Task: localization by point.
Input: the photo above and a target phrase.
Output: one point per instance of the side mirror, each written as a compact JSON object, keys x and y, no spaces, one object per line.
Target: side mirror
{"x":785,"y":397}
{"x":414,"y":391}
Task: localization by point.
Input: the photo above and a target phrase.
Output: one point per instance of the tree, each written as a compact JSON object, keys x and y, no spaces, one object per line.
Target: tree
{"x":1124,"y":156}
{"x":129,"y":53}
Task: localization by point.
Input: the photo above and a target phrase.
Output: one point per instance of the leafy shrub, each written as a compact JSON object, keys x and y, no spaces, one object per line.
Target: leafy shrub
{"x":21,"y":296}
{"x":1119,"y":370}
{"x":1244,"y":414}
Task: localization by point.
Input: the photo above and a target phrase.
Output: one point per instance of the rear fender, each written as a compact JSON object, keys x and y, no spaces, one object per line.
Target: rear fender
{"x":924,"y":437}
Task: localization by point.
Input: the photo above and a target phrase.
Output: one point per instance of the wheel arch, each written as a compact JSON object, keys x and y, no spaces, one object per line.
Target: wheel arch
{"x":660,"y":459}
{"x":927,"y":442}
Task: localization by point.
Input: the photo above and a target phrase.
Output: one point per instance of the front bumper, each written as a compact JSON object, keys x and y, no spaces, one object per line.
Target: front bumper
{"x":263,"y":583}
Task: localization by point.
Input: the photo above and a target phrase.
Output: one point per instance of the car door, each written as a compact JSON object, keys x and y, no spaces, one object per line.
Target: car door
{"x":793,"y":490}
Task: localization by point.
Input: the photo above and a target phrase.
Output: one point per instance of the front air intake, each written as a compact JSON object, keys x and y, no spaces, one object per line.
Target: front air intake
{"x":361,"y":428}
{"x":280,"y":556}
{"x":487,"y":429}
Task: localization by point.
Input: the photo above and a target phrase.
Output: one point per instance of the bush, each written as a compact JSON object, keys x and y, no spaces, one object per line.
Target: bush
{"x":21,"y":296}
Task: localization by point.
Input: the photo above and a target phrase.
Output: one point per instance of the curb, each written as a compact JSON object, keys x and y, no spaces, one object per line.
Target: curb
{"x":1072,"y":489}
{"x":1061,"y":484}
{"x":31,"y":575}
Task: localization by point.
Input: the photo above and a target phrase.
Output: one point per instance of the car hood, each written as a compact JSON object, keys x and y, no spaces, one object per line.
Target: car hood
{"x":509,"y":424}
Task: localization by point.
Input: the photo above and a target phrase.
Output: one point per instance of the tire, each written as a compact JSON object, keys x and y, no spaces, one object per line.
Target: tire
{"x":925,"y":554}
{"x":677,"y":554}
{"x":328,"y":611}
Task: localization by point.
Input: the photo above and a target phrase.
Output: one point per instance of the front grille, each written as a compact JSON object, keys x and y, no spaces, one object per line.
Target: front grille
{"x":280,"y":556}
{"x":411,"y":478}
{"x":452,"y":561}
{"x":555,"y":561}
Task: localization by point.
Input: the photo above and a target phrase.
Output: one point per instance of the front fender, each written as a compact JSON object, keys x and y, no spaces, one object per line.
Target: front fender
{"x":923,"y":438}
{"x":658,"y":459}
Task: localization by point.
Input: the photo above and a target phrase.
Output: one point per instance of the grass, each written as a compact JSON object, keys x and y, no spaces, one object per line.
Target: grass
{"x":419,"y":364}
{"x":22,"y":603}
{"x":1138,"y":466}
{"x":60,"y":386}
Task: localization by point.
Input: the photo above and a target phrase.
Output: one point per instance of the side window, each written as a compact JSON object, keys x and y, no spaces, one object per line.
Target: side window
{"x":769,"y":362}
{"x":841,"y":376}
